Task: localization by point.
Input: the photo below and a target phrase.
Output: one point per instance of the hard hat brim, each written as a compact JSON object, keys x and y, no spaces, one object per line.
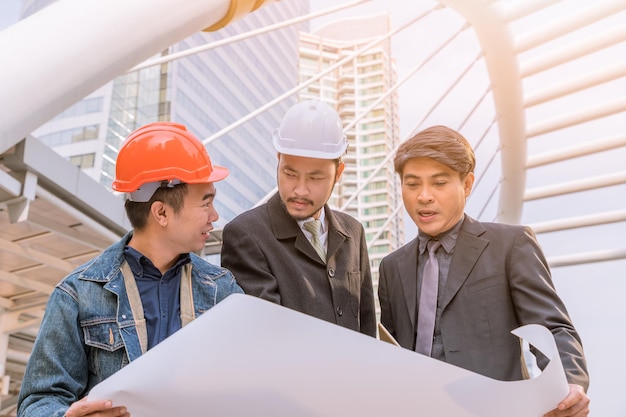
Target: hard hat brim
{"x":218,"y":174}
{"x":328,"y":151}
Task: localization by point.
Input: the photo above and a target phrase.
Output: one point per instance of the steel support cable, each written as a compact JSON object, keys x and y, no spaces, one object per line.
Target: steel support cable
{"x":432,"y":108}
{"x":242,"y":36}
{"x":383,"y":228}
{"x":480,"y":100}
{"x":491,"y":195}
{"x":365,"y":112}
{"x":484,"y":207}
{"x":310,"y":81}
{"x":493,"y":157}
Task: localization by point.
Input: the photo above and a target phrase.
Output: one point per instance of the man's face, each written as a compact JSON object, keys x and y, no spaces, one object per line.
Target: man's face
{"x":434,"y":195}
{"x":192,"y":224}
{"x":305,"y":184}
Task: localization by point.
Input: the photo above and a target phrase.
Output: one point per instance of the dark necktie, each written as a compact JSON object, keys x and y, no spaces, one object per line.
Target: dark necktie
{"x":428,"y":301}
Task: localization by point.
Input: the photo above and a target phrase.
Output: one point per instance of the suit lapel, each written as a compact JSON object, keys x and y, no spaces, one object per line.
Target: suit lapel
{"x":407,"y":271}
{"x":285,"y":227}
{"x":468,"y":248}
{"x":337,"y":234}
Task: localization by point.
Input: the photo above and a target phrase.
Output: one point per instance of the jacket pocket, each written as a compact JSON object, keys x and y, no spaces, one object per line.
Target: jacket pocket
{"x":106,"y":350}
{"x":103,"y":335}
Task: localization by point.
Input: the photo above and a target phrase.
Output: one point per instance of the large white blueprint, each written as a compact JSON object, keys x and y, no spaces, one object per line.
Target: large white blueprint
{"x":249,"y":357}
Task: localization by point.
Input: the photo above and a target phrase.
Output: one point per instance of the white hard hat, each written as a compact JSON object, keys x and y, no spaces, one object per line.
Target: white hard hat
{"x":312,"y":129}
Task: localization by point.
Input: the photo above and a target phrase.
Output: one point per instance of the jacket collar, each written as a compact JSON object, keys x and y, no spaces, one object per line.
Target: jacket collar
{"x":285,"y":227}
{"x":468,"y":248}
{"x":109,"y":262}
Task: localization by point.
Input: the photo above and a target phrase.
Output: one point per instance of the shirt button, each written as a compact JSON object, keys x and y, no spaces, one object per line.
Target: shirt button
{"x":331,"y":272}
{"x":339,"y":311}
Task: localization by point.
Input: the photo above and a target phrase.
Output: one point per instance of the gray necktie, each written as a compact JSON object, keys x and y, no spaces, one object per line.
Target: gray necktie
{"x":428,"y":301}
{"x":314,"y":226}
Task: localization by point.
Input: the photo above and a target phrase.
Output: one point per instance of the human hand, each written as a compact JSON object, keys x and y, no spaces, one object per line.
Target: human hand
{"x":101,"y":408}
{"x":576,"y":404}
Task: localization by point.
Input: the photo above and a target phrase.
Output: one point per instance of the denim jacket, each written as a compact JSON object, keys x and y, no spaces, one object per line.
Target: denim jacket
{"x":88,"y":331}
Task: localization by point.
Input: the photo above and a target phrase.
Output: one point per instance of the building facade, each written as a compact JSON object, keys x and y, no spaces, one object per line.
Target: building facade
{"x":356,"y":88}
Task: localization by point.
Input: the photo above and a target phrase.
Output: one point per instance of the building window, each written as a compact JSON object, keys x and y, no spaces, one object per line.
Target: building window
{"x":86,"y":106}
{"x":65,"y":137}
{"x":83,"y":161}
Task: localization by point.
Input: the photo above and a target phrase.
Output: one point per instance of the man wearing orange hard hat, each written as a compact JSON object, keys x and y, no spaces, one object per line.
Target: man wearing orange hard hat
{"x":140,"y":290}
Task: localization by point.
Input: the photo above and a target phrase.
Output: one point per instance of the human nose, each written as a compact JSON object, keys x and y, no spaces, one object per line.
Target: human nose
{"x":425,"y":196}
{"x":301,"y":188}
{"x":213,"y":215}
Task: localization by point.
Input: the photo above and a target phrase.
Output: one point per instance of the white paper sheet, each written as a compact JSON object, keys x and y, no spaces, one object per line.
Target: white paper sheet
{"x":249,"y":357}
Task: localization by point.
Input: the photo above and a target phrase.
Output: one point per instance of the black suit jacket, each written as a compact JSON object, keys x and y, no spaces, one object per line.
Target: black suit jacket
{"x":498,"y":280}
{"x":271,"y":258}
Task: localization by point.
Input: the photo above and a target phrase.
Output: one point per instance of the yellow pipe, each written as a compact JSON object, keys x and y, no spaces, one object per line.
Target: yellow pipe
{"x":237,"y":9}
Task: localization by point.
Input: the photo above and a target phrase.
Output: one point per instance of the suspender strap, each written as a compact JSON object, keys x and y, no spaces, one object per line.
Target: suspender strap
{"x":135,"y":306}
{"x":187,"y":313}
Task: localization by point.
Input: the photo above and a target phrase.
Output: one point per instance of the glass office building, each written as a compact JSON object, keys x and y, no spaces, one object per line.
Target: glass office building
{"x":207,"y":92}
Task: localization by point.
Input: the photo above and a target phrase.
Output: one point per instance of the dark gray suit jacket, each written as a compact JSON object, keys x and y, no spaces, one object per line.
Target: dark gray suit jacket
{"x":271,"y":258}
{"x":498,"y":280}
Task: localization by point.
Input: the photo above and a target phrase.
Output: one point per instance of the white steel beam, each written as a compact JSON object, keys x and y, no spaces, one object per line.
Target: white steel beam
{"x":513,"y":10}
{"x":497,"y":44}
{"x":571,"y":86}
{"x":93,"y":37}
{"x":587,"y":258}
{"x":575,"y":186}
{"x":595,"y":11}
{"x":579,"y":222}
{"x":581,"y":116}
{"x":572,"y":51}
{"x":588,"y":148}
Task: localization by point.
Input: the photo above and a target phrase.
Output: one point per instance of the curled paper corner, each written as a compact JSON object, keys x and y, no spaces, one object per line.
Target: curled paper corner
{"x":538,"y":336}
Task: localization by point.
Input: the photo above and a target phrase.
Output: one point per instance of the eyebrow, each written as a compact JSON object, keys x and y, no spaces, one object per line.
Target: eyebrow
{"x":437,"y":175}
{"x":208,"y":196}
{"x":315,"y":172}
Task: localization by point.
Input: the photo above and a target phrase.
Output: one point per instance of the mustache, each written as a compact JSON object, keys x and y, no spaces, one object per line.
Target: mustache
{"x":299,"y":200}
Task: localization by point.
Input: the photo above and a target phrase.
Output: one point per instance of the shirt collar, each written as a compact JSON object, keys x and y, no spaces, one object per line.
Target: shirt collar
{"x":143,"y":266}
{"x":447,"y":238}
{"x":322,"y":220}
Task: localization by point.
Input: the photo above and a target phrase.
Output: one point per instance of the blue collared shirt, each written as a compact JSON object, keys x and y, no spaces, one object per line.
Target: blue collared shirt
{"x":160,"y":294}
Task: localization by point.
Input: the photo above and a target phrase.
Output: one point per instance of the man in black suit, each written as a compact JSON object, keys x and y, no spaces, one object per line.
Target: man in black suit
{"x":491,"y":278}
{"x":271,"y":250}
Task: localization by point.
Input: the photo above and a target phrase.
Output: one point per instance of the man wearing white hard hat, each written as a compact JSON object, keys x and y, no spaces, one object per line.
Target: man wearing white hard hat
{"x":294,"y":250}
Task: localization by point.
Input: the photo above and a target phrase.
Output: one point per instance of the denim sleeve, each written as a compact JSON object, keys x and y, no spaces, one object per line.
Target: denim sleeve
{"x":56,"y":374}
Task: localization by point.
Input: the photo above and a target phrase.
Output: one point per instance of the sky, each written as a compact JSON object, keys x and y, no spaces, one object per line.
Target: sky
{"x":592,"y":292}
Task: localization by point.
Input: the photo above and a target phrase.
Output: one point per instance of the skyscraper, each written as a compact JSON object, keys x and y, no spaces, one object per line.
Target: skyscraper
{"x":353,"y":88}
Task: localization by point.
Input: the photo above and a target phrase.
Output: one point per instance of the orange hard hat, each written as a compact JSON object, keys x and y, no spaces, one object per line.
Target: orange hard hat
{"x":163,"y":151}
